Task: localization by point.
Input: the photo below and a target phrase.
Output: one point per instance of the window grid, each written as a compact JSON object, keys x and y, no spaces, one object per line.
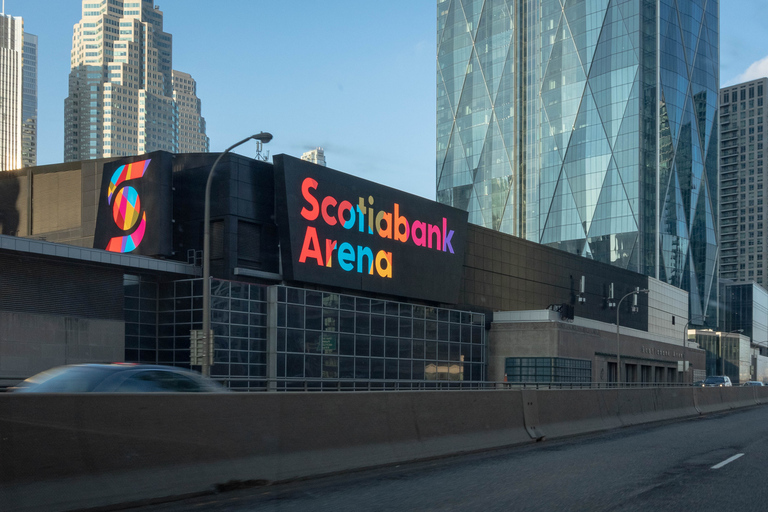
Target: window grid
{"x":335,"y":336}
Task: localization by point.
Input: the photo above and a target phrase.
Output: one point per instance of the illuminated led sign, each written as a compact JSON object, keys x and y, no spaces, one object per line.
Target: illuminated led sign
{"x":135,"y":207}
{"x":346,"y":232}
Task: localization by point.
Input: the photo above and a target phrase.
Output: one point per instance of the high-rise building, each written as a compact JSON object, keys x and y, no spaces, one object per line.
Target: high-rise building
{"x":29,"y":102}
{"x":11,"y":48}
{"x":121,"y":98}
{"x":743,"y":174}
{"x":589,"y":126}
{"x":316,"y":156}
{"x":192,"y":137}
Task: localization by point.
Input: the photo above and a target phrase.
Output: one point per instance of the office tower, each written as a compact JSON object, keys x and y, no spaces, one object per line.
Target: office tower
{"x":29,"y":102}
{"x":192,"y":138}
{"x":121,"y":99}
{"x":316,"y":156}
{"x":742,"y":178}
{"x":11,"y":40}
{"x":588,"y":126}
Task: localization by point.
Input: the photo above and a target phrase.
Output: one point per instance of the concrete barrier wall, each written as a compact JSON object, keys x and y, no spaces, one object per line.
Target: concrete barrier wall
{"x":66,"y":451}
{"x":77,"y":451}
{"x":572,"y":412}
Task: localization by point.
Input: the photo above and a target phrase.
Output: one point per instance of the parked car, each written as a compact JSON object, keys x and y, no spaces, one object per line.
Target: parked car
{"x":118,"y":378}
{"x":717,"y":381}
{"x":753,"y":383}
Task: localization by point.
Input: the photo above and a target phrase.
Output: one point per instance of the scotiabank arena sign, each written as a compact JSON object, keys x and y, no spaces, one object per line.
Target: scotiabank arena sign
{"x":346,"y":232}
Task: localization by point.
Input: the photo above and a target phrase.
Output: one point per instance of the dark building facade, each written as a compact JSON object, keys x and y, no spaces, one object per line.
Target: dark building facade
{"x":319,"y":278}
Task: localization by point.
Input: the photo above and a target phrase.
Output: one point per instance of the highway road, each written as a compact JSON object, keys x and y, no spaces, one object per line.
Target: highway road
{"x":715,"y":462}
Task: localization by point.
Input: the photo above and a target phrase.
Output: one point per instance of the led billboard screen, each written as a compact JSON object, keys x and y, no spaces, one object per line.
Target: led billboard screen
{"x":343,"y":231}
{"x":135,"y":206}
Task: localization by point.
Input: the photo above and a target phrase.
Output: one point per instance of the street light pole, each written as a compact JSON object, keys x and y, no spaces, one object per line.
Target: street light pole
{"x":685,"y":351}
{"x":618,"y":338}
{"x":206,"y":367}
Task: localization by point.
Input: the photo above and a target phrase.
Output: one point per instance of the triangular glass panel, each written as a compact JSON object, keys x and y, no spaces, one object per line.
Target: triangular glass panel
{"x":615,"y":100}
{"x":445,"y":121}
{"x":472,"y":11}
{"x":494,"y":168}
{"x":691,"y":15}
{"x":458,"y":196}
{"x":704,"y":87}
{"x":454,"y":51}
{"x":475,"y":211}
{"x":614,"y":249}
{"x":674,"y":77}
{"x":666,"y":148}
{"x":630,"y":13}
{"x":626,"y":152}
{"x":474,"y":113}
{"x":455,"y":170}
{"x":562,"y":221}
{"x":562,"y":86}
{"x":585,"y":20}
{"x":684,"y":156}
{"x":587,"y":159}
{"x":510,"y":216}
{"x":712,"y":25}
{"x":442,"y":19}
{"x":613,"y":213}
{"x":493,"y":40}
{"x":674,"y":234}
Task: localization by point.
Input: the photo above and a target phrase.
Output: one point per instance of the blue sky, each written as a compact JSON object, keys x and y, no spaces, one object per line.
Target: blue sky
{"x":353,"y":76}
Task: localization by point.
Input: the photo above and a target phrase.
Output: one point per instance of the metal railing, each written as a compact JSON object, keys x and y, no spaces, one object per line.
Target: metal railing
{"x":335,"y":385}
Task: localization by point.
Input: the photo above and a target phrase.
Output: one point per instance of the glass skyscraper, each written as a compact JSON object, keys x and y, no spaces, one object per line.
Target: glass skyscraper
{"x":122,"y":99}
{"x":587,"y":125}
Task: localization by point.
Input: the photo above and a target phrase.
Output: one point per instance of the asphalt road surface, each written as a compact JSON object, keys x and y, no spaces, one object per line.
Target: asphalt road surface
{"x":717,"y":462}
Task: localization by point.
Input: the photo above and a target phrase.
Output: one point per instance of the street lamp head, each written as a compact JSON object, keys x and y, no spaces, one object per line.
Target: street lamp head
{"x":263,"y":137}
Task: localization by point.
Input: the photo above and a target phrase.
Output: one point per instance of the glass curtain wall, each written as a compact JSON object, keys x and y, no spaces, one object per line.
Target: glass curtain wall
{"x":589,"y":126}
{"x":321,"y":337}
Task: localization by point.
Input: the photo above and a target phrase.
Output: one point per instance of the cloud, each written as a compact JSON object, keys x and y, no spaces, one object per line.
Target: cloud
{"x":758,"y":69}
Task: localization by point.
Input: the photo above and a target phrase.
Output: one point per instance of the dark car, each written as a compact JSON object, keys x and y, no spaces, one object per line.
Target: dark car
{"x":717,"y":381}
{"x":118,"y":378}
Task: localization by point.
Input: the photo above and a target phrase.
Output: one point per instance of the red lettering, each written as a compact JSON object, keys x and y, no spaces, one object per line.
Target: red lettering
{"x":306,"y":186}
{"x":328,"y":201}
{"x":311,"y":247}
{"x":343,"y":207}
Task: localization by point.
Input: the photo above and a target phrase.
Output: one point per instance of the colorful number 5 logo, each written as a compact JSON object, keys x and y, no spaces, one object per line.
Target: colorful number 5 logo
{"x":126,"y":206}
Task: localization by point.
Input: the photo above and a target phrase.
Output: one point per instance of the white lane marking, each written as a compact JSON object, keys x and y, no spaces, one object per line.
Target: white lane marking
{"x":727,"y":461}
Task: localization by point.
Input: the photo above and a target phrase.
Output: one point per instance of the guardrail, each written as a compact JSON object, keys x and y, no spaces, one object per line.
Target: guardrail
{"x":329,"y":385}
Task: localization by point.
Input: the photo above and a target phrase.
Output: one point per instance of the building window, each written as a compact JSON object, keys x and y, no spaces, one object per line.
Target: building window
{"x":547,"y":370}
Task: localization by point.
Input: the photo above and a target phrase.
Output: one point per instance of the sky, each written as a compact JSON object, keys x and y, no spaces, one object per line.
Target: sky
{"x":355,"y":77}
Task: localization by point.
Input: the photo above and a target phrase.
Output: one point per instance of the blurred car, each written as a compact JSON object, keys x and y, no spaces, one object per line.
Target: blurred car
{"x":753,"y":383}
{"x":118,"y":378}
{"x":717,"y":381}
